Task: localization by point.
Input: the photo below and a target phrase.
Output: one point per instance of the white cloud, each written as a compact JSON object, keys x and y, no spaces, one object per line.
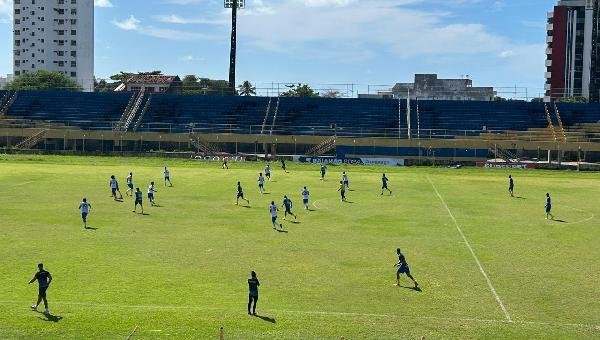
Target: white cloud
{"x":327,"y":3}
{"x":176,"y":19}
{"x":507,"y":54}
{"x":133,"y":24}
{"x":103,"y":3}
{"x":6,"y":9}
{"x":129,"y":24}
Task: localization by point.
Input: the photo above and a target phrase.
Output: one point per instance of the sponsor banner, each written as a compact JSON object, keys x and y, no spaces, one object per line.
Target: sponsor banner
{"x":505,"y":165}
{"x":355,"y":161}
{"x":219,"y":158}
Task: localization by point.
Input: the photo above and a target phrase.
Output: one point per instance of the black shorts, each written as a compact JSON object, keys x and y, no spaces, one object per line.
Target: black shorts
{"x":130,"y":186}
{"x":167,"y":179}
{"x":240,"y":195}
{"x":138,"y":202}
{"x":42,"y":291}
{"x":288,"y":210}
{"x":84,"y":216}
{"x":384,"y":186}
{"x":114,"y":191}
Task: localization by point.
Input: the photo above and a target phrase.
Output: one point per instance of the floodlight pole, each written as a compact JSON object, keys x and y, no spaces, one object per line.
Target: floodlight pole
{"x":232,"y":54}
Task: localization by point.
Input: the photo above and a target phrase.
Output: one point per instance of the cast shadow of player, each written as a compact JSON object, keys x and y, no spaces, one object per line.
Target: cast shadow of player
{"x":50,"y":317}
{"x":561,"y":221}
{"x":521,"y":197}
{"x":282,"y":231}
{"x":416,"y":289}
{"x":90,"y":228}
{"x":266,"y":318}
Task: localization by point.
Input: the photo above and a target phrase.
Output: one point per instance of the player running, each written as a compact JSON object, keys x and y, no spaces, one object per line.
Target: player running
{"x":274,"y":210}
{"x":287,"y":203}
{"x":323,"y":171}
{"x":268,"y":172}
{"x":138,"y":200}
{"x":240,"y":194}
{"x":225,"y":166}
{"x":403,"y":269}
{"x":345,"y":180}
{"x":342,"y":190}
{"x":511,"y":186}
{"x":549,"y":206}
{"x":151,"y":191}
{"x":167,"y":175}
{"x":114,"y":188}
{"x":44,"y":278}
{"x":85,"y":207}
{"x":261,"y":183}
{"x":253,"y":285}
{"x":384,"y":184}
{"x":283,"y":165}
{"x":129,"y":191}
{"x":305,"y":196}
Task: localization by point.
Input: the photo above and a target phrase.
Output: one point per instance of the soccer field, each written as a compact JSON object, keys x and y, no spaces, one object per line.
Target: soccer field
{"x":489,"y":266}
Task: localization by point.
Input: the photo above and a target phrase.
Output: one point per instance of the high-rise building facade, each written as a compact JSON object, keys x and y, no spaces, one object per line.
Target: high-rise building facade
{"x":55,"y":35}
{"x":572,"y":55}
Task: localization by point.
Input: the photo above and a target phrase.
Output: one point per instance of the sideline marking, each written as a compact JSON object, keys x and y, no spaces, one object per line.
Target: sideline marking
{"x":489,"y":282}
{"x":349,"y":314}
{"x":580,"y":210}
{"x":132,"y":333}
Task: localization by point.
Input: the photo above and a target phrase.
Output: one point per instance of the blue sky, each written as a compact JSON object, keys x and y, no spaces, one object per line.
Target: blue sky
{"x":496,"y":42}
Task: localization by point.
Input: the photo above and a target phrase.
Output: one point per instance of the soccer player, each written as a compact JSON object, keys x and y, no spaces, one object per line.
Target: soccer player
{"x":114,"y":188}
{"x":345,"y":179}
{"x":305,"y":196}
{"x":511,"y":186}
{"x":283,"y":165}
{"x":151,"y":191}
{"x":261,"y":183}
{"x":549,"y":207}
{"x":138,"y":200}
{"x":253,"y":285}
{"x":274,"y":210}
{"x":323,"y":171}
{"x":167,"y":175}
{"x":384,"y":184}
{"x":287,"y":203}
{"x":225,"y":166}
{"x":240,"y":194}
{"x":85,"y":207}
{"x":403,"y":268}
{"x":268,"y":172}
{"x":342,"y":190}
{"x":129,"y":191}
{"x":43,"y":278}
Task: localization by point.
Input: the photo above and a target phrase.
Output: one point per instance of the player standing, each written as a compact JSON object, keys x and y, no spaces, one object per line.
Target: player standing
{"x":240,"y":194}
{"x":384,"y":184}
{"x":549,"y":207}
{"x":287,"y":203}
{"x":261,"y":183}
{"x":274,"y":210}
{"x":342,"y":190}
{"x":43,"y":278}
{"x":253,"y":285}
{"x":114,"y":188}
{"x":151,"y":191}
{"x":305,"y":196}
{"x":129,"y":191}
{"x":403,"y":269}
{"x":85,"y":207}
{"x":511,"y":186}
{"x":283,"y":165}
{"x":167,"y":175}
{"x":345,"y":180}
{"x":225,"y":166}
{"x":138,"y":200}
{"x":323,"y":171}
{"x":268,"y":172}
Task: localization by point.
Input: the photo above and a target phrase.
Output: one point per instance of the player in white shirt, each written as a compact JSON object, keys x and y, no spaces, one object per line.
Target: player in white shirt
{"x":274,"y":210}
{"x":85,"y":207}
{"x":114,"y":188}
{"x":345,"y":179}
{"x":129,"y":191}
{"x":268,"y":172}
{"x":167,"y":175}
{"x":305,"y":196}
{"x":261,"y":183}
{"x":151,"y":191}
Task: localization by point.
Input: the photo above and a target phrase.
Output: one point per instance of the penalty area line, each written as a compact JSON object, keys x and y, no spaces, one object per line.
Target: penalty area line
{"x":485,"y":275}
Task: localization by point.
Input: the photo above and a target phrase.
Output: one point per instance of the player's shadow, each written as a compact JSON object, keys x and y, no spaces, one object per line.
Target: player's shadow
{"x":282,"y":231}
{"x":120,"y":200}
{"x":90,"y":228}
{"x":349,"y":202}
{"x":50,"y":317}
{"x":416,"y":289}
{"x":266,"y":318}
{"x":245,"y":206}
{"x":266,"y":193}
{"x":520,"y":197}
{"x":309,"y":209}
{"x":295,"y":222}
{"x":561,"y":221}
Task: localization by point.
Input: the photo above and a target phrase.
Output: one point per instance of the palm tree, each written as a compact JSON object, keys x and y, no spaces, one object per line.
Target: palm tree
{"x":247,"y":89}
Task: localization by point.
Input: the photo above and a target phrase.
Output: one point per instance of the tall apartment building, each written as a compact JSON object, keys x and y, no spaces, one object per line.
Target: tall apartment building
{"x":55,"y":35}
{"x":573,"y":54}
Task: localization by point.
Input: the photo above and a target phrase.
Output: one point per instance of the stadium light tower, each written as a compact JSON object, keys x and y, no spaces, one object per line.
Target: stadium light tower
{"x":234,"y":5}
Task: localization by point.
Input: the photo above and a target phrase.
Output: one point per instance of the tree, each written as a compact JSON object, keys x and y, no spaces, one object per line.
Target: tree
{"x":247,"y":89}
{"x":190,"y":85}
{"x":537,"y":100}
{"x":122,"y":76}
{"x":104,"y":86}
{"x":43,"y":80}
{"x":572,"y":100}
{"x":331,"y":93}
{"x":300,"y":90}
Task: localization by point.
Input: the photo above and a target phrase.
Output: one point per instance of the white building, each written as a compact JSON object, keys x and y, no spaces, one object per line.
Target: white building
{"x":55,"y":35}
{"x":4,"y":81}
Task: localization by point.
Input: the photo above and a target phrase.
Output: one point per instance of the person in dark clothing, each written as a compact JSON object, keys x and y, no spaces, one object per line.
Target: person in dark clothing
{"x":511,"y":186}
{"x":44,"y":278}
{"x":253,"y":284}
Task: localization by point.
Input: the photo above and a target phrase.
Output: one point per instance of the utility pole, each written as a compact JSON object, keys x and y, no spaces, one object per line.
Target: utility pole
{"x":234,"y":5}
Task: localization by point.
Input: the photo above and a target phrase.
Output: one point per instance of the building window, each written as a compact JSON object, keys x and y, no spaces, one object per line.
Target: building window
{"x":73,"y":42}
{"x":73,"y":32}
{"x":73,"y":63}
{"x":74,"y":74}
{"x":74,"y":54}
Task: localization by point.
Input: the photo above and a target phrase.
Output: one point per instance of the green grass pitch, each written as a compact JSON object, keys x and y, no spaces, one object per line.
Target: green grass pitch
{"x":180,"y":272}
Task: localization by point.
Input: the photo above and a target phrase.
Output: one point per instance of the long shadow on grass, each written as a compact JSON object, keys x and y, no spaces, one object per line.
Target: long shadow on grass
{"x":50,"y":317}
{"x":416,"y":289}
{"x":521,"y":198}
{"x":282,"y":231}
{"x":90,"y":228}
{"x":561,"y":221}
{"x":266,"y":318}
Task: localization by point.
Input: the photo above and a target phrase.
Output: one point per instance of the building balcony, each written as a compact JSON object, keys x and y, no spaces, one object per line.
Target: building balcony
{"x":547,"y":87}
{"x":549,"y":39}
{"x":550,"y":27}
{"x":548,"y":63}
{"x":548,"y":75}
{"x":548,"y":50}
{"x":550,"y":15}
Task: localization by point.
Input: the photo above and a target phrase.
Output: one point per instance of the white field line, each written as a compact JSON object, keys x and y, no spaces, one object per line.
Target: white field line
{"x":132,"y":333}
{"x":487,"y":279}
{"x":324,"y":313}
{"x":315,"y":204}
{"x":580,"y":210}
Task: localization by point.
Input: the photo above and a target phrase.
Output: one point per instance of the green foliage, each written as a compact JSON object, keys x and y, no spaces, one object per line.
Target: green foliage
{"x":247,"y":89}
{"x":192,"y":84}
{"x":43,"y":80}
{"x":331,"y":93}
{"x":122,"y":76}
{"x":104,"y":86}
{"x":537,"y":100}
{"x":572,"y":100}
{"x":300,"y":90}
